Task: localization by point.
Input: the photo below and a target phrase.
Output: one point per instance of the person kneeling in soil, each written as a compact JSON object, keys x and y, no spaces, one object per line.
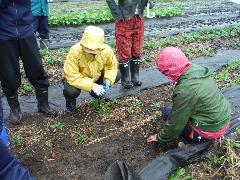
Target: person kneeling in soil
{"x":200,"y":112}
{"x":90,"y":66}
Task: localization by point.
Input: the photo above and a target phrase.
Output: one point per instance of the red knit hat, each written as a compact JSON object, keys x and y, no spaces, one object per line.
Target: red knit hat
{"x":172,"y":62}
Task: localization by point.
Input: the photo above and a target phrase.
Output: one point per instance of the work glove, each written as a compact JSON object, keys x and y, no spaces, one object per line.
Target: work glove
{"x":98,"y":90}
{"x":106,"y":84}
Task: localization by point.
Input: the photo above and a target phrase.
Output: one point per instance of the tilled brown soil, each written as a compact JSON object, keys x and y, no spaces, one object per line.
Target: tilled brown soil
{"x":120,"y":135}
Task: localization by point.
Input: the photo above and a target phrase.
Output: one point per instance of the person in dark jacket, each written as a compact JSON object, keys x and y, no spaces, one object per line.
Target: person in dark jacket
{"x":17,"y":41}
{"x":129,"y":34}
{"x":40,"y":14}
{"x":200,"y":112}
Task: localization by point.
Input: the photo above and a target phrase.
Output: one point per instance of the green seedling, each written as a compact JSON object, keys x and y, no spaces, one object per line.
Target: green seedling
{"x":80,"y":139}
{"x":179,"y":173}
{"x":17,"y":139}
{"x":26,"y":88}
{"x":49,"y":145}
{"x":53,"y":60}
{"x":156,"y":105}
{"x":103,"y":107}
{"x":135,"y":104}
{"x":57,"y":125}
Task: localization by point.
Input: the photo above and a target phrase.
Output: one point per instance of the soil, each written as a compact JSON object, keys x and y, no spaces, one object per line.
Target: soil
{"x":119,"y":136}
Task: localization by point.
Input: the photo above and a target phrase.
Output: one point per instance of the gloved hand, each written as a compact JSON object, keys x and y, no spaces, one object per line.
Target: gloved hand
{"x":98,"y":90}
{"x":106,"y":84}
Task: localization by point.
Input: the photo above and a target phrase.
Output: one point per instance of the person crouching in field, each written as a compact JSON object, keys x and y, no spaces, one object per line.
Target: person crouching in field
{"x":199,"y":112}
{"x":90,"y":66}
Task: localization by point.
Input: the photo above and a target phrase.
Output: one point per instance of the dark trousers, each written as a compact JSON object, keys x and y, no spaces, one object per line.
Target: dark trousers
{"x":40,"y":25}
{"x":188,"y":135}
{"x":27,"y":50}
{"x":73,"y":92}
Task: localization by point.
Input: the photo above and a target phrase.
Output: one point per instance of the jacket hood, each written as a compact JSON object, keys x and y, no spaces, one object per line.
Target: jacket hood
{"x":196,"y":72}
{"x":93,"y":38}
{"x":172,"y":62}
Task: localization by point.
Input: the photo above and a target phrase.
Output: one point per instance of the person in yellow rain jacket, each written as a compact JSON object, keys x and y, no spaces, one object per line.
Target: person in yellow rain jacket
{"x":90,"y":66}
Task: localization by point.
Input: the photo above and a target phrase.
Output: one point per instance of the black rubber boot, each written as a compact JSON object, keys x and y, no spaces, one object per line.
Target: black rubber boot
{"x":42,"y":98}
{"x":15,"y":115}
{"x":134,"y":69}
{"x":125,"y":76}
{"x":70,"y":102}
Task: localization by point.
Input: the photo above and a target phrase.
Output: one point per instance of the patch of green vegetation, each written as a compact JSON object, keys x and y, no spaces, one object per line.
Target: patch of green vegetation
{"x":92,"y":16}
{"x":53,"y":57}
{"x":193,"y":51}
{"x":135,"y":104}
{"x":103,"y":15}
{"x":179,"y":173}
{"x":16,"y":139}
{"x":26,"y":88}
{"x":166,"y":12}
{"x":213,"y":159}
{"x":226,"y":75}
{"x":80,"y":139}
{"x":103,"y":107}
{"x":185,"y":39}
{"x":57,"y":125}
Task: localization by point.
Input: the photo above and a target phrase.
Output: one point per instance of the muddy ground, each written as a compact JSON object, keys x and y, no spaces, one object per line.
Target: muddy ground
{"x":56,"y":152}
{"x":119,"y":135}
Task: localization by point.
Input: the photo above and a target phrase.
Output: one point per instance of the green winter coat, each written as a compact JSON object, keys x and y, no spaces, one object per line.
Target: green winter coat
{"x":39,"y":7}
{"x":196,"y":98}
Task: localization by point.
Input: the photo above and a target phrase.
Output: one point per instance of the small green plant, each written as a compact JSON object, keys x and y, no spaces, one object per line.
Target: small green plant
{"x":53,"y":60}
{"x":57,"y":125}
{"x":213,"y":159}
{"x":156,"y":105}
{"x":17,"y":139}
{"x":53,"y":57}
{"x":26,"y":88}
{"x":135,"y":104}
{"x":103,"y":107}
{"x":179,"y":173}
{"x":80,"y":139}
{"x":49,"y":145}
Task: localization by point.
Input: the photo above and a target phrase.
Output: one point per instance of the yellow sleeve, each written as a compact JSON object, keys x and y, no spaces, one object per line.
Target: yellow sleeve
{"x":111,"y":67}
{"x":72,"y":74}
